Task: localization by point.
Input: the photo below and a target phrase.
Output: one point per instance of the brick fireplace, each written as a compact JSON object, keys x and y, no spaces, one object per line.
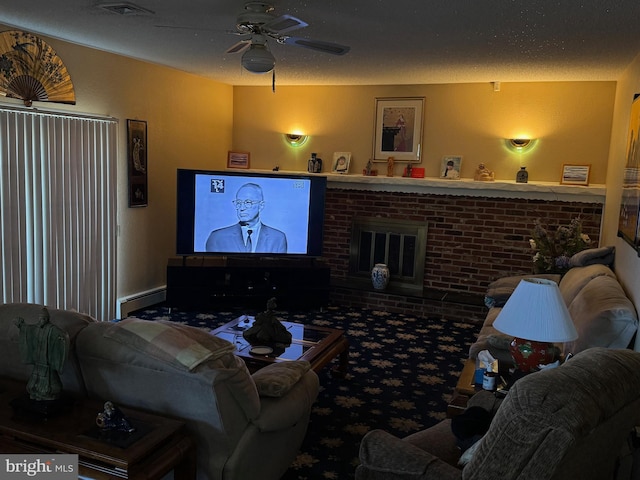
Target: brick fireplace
{"x":474,"y":235}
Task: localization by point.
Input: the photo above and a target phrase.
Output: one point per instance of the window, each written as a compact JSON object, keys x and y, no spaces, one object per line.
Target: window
{"x":58,"y":215}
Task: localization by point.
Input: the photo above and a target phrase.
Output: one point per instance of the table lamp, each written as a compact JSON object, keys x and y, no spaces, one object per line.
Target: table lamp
{"x":536,"y":316}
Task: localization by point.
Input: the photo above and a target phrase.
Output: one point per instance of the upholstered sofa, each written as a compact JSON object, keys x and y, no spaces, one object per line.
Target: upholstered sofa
{"x":245,"y":426}
{"x":601,"y":312}
{"x":568,"y":422}
{"x":576,"y":421}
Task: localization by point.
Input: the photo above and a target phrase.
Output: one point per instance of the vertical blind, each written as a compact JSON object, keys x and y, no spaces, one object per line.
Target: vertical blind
{"x":58,"y":211}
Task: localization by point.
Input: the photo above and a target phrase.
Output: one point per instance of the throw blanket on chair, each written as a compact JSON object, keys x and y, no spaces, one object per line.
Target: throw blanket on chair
{"x":179,"y":345}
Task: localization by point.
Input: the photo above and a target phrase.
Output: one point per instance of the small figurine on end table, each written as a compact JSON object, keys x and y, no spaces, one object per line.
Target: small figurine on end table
{"x":113,"y":419}
{"x":267,"y":329}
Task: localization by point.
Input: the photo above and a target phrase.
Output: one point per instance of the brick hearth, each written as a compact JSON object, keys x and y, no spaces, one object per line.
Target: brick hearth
{"x":472,"y":239}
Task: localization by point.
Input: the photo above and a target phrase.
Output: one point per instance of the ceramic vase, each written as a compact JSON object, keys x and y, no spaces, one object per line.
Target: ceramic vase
{"x":522,"y":176}
{"x":380,"y":276}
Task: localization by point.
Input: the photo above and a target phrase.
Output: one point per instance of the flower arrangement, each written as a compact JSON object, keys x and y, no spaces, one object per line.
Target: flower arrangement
{"x":553,"y":250}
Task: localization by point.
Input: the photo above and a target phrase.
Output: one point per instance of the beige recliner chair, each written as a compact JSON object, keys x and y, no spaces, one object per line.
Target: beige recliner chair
{"x":245,"y":426}
{"x":572,"y":422}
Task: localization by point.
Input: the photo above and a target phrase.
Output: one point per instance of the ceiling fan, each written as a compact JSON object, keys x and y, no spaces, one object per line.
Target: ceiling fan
{"x":256,"y":24}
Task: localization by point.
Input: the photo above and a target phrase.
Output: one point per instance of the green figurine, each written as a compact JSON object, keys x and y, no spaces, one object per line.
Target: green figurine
{"x":44,"y":346}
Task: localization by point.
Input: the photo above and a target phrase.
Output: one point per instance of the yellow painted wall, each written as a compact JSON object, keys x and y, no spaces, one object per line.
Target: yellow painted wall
{"x":572,"y":121}
{"x":189,"y":124}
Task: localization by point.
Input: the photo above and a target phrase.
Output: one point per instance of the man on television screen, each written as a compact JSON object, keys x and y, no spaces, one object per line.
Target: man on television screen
{"x":249,"y":234}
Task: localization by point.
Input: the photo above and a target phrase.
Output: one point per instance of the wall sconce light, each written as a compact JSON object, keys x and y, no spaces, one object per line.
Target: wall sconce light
{"x":520,"y":144}
{"x":296,"y":139}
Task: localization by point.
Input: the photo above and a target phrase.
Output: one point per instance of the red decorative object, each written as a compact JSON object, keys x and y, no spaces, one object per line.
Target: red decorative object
{"x":528,"y":354}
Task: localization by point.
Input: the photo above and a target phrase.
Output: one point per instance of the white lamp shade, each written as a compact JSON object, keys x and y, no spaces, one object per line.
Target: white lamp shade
{"x":536,"y":311}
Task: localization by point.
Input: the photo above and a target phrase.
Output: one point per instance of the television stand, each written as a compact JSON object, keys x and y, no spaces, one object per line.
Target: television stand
{"x":211,"y":282}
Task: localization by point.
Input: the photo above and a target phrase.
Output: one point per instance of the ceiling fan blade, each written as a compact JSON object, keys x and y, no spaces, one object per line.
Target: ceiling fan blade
{"x":319,"y":45}
{"x":283,"y":24}
{"x":241,"y":46}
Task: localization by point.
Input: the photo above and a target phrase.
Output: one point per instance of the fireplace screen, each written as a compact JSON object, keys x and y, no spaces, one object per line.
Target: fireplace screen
{"x":400,"y":244}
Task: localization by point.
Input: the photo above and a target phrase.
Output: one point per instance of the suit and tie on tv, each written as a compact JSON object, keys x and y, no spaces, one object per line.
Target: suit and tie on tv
{"x":230,"y":239}
{"x":249,"y":234}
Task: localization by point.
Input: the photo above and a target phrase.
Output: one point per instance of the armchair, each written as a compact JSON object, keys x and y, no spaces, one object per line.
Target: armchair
{"x":245,"y":426}
{"x":574,"y":421}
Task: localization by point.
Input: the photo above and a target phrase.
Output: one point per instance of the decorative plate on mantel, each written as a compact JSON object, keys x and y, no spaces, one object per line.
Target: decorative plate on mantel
{"x":32,"y":71}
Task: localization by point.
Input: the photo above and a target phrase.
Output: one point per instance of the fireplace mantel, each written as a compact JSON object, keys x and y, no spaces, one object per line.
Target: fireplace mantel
{"x":464,"y":187}
{"x":471,"y":188}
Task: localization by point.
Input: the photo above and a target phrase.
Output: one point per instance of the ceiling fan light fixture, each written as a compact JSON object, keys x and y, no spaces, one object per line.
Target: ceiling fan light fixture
{"x":258,"y":59}
{"x":257,"y":23}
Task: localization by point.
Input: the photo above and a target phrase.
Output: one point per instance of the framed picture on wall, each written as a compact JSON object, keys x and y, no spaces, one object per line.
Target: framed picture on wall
{"x":398,"y":129}
{"x":450,"y":167}
{"x":575,"y":174}
{"x":137,"y":162}
{"x":628,"y":224}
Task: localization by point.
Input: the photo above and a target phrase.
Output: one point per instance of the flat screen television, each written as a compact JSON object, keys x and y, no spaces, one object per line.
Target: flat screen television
{"x":249,"y":213}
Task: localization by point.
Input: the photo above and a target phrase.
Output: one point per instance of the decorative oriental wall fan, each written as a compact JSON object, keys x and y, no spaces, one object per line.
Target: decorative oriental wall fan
{"x":32,"y":71}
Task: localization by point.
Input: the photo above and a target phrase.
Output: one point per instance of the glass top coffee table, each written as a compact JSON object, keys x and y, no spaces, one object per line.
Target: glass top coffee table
{"x":317,"y":345}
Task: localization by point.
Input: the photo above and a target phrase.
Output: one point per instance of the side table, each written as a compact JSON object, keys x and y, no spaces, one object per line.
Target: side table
{"x":465,"y":388}
{"x":162,"y":444}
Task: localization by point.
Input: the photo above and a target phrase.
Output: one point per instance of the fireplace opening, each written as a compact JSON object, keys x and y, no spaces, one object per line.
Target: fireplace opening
{"x":400,"y":244}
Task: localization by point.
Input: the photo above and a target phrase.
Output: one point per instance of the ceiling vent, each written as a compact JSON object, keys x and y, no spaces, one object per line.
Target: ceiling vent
{"x":124,"y":8}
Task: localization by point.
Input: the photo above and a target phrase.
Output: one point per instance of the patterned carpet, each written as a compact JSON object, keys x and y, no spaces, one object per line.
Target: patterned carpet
{"x":402,"y":371}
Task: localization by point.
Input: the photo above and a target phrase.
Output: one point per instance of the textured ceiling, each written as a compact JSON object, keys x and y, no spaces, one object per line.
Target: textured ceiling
{"x":392,"y":41}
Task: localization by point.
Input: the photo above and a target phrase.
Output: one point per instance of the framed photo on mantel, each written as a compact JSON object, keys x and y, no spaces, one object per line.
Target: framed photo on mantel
{"x":398,"y":129}
{"x":238,"y":159}
{"x":450,"y":167}
{"x":575,"y":174}
{"x":341,"y":161}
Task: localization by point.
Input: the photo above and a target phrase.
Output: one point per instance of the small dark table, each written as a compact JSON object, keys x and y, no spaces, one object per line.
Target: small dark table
{"x":467,"y":388}
{"x":162,"y":446}
{"x":317,"y":345}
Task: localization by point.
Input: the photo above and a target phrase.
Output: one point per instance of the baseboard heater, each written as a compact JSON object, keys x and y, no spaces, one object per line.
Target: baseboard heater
{"x":131,"y":303}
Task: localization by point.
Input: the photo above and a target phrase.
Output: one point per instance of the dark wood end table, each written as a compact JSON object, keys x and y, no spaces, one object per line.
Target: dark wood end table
{"x":163,"y":444}
{"x":465,"y":388}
